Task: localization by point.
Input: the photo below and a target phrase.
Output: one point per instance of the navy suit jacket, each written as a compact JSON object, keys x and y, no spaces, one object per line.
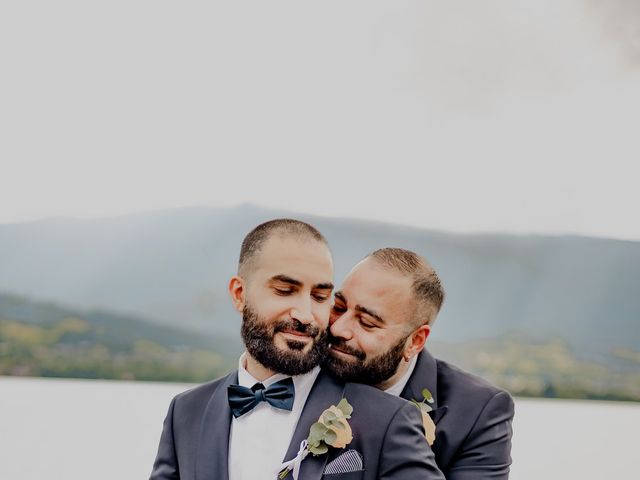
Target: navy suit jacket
{"x":473,"y":420}
{"x":387,"y":431}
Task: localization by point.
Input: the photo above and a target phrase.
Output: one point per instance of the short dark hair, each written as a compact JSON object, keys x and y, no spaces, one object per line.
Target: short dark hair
{"x":256,"y":238}
{"x":427,"y":288}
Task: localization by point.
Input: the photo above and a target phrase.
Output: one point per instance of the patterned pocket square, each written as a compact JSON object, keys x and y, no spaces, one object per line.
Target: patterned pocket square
{"x":349,"y":461}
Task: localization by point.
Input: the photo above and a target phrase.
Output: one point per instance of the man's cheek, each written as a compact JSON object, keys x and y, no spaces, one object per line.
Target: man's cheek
{"x":324,"y":315}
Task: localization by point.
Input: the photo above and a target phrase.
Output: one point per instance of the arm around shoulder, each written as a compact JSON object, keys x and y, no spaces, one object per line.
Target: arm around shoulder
{"x":165,"y":466}
{"x":405,"y":452}
{"x":486,"y":452}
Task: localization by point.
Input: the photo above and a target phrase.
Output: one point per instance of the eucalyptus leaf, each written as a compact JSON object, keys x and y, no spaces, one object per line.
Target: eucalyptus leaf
{"x":318,"y":429}
{"x":427,"y":395}
{"x":345,"y":408}
{"x":329,"y":416}
{"x":330,"y":437}
{"x":319,"y":450}
{"x":316,"y":433}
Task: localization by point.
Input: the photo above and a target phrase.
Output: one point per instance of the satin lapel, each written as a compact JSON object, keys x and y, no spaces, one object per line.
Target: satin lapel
{"x":213,"y":445}
{"x":326,"y":391}
{"x":425,"y":375}
{"x":438,"y":413}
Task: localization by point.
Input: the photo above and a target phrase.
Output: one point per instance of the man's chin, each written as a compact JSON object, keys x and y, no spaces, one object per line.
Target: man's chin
{"x":342,"y":365}
{"x":290,"y":345}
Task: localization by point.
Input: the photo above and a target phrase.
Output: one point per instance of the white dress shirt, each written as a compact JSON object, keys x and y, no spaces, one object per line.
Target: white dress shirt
{"x":259,"y":439}
{"x":396,"y":388}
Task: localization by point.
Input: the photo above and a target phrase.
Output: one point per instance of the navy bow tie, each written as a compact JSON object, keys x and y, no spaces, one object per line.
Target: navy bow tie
{"x":243,"y":399}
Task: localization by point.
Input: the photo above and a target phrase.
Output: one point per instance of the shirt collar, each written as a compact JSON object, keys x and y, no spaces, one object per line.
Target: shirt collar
{"x":396,"y":388}
{"x":302,"y":383}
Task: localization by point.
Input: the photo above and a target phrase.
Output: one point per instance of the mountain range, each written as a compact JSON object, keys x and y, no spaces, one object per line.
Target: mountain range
{"x":172,"y":267}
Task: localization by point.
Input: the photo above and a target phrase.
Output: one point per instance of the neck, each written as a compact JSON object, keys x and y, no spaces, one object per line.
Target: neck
{"x":393,"y":379}
{"x":256,"y":369}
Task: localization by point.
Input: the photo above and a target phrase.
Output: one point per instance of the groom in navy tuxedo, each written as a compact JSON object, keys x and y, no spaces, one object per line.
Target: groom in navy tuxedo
{"x":246,"y":425}
{"x":381,"y":319}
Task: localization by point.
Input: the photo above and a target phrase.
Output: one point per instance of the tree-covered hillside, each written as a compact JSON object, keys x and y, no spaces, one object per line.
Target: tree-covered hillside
{"x":45,"y":339}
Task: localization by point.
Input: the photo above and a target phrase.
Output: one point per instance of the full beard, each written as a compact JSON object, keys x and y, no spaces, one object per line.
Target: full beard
{"x":258,"y":338}
{"x":371,"y":371}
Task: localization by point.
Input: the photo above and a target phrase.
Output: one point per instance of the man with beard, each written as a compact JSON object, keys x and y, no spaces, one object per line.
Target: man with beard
{"x":253,"y":423}
{"x":380,"y":321}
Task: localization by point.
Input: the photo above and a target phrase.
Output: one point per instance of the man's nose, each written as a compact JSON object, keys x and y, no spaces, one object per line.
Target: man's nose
{"x":302,"y":311}
{"x":339,"y":326}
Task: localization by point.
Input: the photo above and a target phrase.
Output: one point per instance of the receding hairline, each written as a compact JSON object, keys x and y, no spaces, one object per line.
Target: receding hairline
{"x":426,"y":288}
{"x":289,"y":228}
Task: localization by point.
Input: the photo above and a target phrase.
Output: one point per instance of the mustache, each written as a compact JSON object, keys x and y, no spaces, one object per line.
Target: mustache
{"x":296,"y":326}
{"x":341,"y":345}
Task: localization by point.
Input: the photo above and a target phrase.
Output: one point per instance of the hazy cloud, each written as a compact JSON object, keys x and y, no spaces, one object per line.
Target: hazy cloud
{"x":513,"y":115}
{"x":620,"y":20}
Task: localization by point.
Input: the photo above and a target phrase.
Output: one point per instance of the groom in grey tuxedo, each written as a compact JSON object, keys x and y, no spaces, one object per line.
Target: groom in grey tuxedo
{"x":381,"y":319}
{"x":246,"y":425}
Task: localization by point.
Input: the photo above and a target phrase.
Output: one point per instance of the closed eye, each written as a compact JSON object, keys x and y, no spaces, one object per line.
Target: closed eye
{"x":366,"y":324}
{"x":283,"y":291}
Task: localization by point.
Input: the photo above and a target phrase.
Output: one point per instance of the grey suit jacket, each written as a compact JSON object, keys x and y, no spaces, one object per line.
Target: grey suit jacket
{"x":387,"y":431}
{"x":473,"y":420}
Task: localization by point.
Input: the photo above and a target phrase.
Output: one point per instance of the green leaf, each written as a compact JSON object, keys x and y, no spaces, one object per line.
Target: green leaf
{"x":345,"y":408}
{"x":330,"y":437}
{"x":318,"y":429}
{"x":427,"y":395}
{"x":316,"y":433}
{"x":319,"y":450}
{"x":329,"y":417}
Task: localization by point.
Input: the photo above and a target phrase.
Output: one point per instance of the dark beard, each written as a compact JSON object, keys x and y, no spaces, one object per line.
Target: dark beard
{"x":257,"y":336}
{"x":372,"y":371}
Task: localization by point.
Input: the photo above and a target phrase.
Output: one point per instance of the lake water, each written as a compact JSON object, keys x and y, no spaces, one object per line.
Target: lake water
{"x":94,"y":430}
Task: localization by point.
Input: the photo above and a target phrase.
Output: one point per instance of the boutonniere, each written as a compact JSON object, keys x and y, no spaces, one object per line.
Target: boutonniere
{"x":425,"y":408}
{"x":331,"y":430}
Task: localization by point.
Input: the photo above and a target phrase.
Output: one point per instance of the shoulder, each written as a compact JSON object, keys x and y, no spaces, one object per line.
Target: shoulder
{"x":374,"y":403}
{"x":197,"y":398}
{"x":381,"y":418}
{"x":456,"y":383}
{"x":372,"y":394}
{"x":477,"y":403}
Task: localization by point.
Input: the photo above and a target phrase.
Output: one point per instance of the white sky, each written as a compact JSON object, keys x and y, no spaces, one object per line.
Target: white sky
{"x":518,"y":116}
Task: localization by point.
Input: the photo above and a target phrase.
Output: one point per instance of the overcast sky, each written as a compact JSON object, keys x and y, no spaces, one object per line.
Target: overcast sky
{"x":516,"y":116}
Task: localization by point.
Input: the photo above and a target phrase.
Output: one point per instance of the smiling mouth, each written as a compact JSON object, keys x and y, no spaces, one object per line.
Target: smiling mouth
{"x":336,"y":349}
{"x":295,"y":333}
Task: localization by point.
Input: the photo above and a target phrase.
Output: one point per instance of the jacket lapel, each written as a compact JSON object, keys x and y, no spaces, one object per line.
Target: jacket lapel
{"x":212,"y":456}
{"x":425,"y":375}
{"x":326,"y":391}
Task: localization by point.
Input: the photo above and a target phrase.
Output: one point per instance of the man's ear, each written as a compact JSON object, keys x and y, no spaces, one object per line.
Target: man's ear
{"x":237,"y":292}
{"x":416,"y":342}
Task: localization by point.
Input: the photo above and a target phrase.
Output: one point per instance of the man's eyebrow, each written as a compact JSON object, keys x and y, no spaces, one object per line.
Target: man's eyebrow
{"x":286,"y":279}
{"x":371,"y":313}
{"x":359,"y":308}
{"x":323,"y":286}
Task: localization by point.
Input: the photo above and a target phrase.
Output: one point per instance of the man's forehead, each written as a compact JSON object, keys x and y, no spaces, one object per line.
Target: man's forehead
{"x":371,"y":274}
{"x":305,"y":260}
{"x":371,"y":283}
